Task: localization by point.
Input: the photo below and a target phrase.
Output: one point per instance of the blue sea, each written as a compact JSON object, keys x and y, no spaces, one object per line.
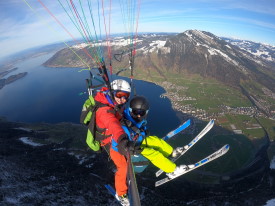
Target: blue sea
{"x":52,"y":95}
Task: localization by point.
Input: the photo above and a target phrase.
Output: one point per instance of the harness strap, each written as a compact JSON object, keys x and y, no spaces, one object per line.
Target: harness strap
{"x":135,"y":129}
{"x":92,"y":124}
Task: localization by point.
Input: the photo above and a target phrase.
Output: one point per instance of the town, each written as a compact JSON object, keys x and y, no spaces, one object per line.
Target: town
{"x":188,"y":109}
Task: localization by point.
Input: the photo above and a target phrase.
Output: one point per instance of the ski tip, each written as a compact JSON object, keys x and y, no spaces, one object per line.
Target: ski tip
{"x":158,"y":183}
{"x":165,"y":138}
{"x":158,"y":173}
{"x":225,"y":148}
{"x":110,"y":189}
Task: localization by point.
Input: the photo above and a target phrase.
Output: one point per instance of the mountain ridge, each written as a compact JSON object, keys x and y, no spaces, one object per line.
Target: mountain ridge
{"x":193,"y":51}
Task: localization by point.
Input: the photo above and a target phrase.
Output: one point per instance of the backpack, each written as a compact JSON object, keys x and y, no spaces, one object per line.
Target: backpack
{"x":87,"y":118}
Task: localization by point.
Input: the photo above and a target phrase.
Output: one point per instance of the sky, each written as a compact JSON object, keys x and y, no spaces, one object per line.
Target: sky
{"x":27,"y":24}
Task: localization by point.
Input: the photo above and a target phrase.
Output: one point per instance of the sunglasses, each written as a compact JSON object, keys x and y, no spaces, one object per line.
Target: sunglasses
{"x":121,"y":94}
{"x":140,"y":112}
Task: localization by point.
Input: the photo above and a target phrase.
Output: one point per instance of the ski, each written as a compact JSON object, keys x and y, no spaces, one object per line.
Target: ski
{"x":194,"y":141}
{"x":112,"y":192}
{"x":136,"y":159}
{"x":177,"y":130}
{"x":202,"y":162}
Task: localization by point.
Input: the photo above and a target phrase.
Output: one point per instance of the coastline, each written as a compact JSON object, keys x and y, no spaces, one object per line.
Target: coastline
{"x":11,"y":79}
{"x":6,"y":71}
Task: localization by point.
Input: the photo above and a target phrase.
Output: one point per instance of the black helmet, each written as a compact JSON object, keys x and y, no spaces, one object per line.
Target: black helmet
{"x":139,"y":107}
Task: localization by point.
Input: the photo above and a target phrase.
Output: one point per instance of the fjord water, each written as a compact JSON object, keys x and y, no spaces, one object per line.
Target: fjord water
{"x":52,"y":95}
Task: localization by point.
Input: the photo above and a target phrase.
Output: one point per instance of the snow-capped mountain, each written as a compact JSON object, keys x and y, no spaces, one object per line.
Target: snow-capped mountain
{"x":193,"y":51}
{"x":210,"y":56}
{"x":265,"y":51}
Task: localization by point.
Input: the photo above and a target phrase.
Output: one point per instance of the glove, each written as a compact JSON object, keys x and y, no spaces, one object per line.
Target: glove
{"x":133,"y":148}
{"x":125,"y":146}
{"x":122,"y":146}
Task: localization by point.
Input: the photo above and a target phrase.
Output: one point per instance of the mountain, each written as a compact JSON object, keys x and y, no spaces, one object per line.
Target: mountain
{"x":208,"y":55}
{"x":265,"y":51}
{"x":162,"y":56}
{"x":193,"y":51}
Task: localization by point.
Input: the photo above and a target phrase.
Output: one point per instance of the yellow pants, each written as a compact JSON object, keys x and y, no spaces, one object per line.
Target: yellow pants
{"x":157,"y":150}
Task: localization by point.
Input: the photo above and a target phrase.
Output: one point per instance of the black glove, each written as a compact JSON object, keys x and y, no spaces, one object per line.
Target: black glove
{"x":125,"y":145}
{"x":133,"y":148}
{"x":122,"y":146}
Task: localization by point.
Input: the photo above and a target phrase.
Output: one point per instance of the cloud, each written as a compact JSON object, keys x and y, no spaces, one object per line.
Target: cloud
{"x":262,"y":7}
{"x":246,"y":20}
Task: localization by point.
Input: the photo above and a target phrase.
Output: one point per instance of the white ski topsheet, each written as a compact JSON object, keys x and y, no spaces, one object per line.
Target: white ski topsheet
{"x":202,"y":162}
{"x":194,"y":141}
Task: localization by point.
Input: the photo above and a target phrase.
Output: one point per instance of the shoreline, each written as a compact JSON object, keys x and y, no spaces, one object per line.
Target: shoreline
{"x":11,"y":79}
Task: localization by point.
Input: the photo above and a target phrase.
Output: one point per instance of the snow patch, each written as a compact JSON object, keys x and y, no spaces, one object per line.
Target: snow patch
{"x":188,"y":34}
{"x":272,"y":164}
{"x":80,"y":46}
{"x":28,"y":141}
{"x":156,"y":45}
{"x":82,"y":158}
{"x":165,"y":50}
{"x":263,"y":51}
{"x":11,"y":200}
{"x":115,"y":42}
{"x":270,"y":202}
{"x":24,"y":129}
{"x":213,"y":51}
{"x":228,"y":46}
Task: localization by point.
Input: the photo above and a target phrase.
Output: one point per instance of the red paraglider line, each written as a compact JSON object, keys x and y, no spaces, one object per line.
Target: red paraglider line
{"x":107,"y":33}
{"x":86,"y":52}
{"x":79,"y":19}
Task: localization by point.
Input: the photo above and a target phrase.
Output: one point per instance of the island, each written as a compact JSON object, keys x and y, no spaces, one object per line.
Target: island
{"x":12,"y":78}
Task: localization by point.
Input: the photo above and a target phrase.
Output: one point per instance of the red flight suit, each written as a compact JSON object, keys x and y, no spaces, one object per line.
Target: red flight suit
{"x":108,"y":117}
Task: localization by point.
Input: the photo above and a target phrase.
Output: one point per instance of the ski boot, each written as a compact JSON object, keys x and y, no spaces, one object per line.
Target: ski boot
{"x":123,"y":199}
{"x":176,"y":152}
{"x":179,"y":170}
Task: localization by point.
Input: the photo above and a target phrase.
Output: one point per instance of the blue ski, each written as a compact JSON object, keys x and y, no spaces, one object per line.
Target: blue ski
{"x":177,"y":130}
{"x":112,"y":191}
{"x":202,"y":162}
{"x":194,"y":141}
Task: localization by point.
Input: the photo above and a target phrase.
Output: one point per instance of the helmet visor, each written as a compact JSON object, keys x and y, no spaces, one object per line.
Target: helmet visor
{"x":140,"y":112}
{"x":122,"y":94}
